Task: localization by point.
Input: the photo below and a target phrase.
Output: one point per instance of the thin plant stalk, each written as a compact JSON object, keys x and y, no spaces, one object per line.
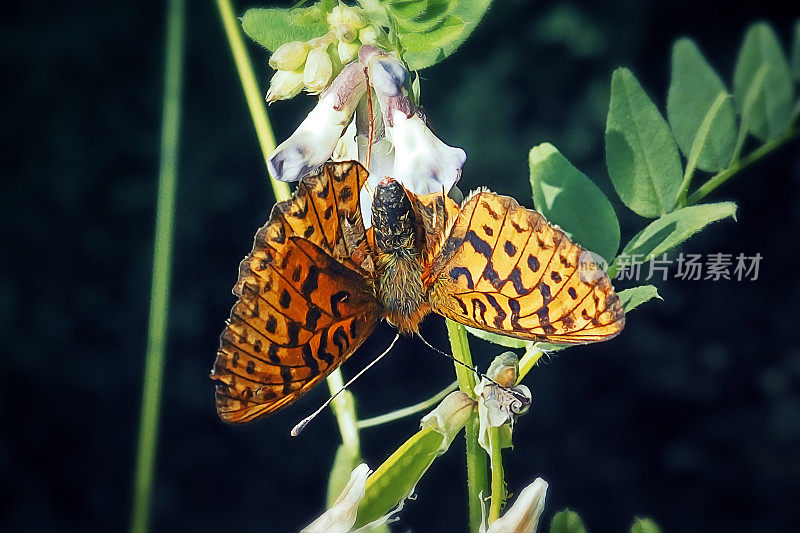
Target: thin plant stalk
{"x":162,"y":266}
{"x":408,"y":411}
{"x":477,"y":483}
{"x":344,"y":411}
{"x":477,"y":479}
{"x":253,"y":95}
{"x":498,"y":481}
{"x":757,"y":154}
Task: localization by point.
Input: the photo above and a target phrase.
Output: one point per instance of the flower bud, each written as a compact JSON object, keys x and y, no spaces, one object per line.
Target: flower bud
{"x":289,"y":56}
{"x":343,"y":14}
{"x":504,"y":369}
{"x":523,"y":516}
{"x":347,"y":51}
{"x":372,"y":35}
{"x":285,"y":84}
{"x":345,"y":21}
{"x":342,"y":514}
{"x":318,"y":71}
{"x":449,"y":416}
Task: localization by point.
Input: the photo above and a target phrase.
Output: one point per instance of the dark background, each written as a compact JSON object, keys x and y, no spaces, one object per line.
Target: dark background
{"x":692,"y":416}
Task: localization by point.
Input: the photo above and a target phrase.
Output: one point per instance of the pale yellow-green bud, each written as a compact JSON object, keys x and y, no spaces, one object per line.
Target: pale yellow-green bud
{"x":345,"y":21}
{"x":285,"y":84}
{"x":289,"y":56}
{"x":343,"y":14}
{"x":372,"y":35}
{"x":347,"y":51}
{"x":318,"y":71}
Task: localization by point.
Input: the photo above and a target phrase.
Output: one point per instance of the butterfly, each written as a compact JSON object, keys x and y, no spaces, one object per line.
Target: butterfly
{"x":317,"y":282}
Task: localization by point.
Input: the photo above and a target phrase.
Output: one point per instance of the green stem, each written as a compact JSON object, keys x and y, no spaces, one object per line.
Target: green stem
{"x":162,"y":264}
{"x":498,"y":483}
{"x":407,"y":411}
{"x":477,"y":485}
{"x":459,"y":345}
{"x":477,"y":481}
{"x":344,"y":408}
{"x":344,"y":411}
{"x":255,"y":101}
{"x":528,"y":361}
{"x":757,"y":154}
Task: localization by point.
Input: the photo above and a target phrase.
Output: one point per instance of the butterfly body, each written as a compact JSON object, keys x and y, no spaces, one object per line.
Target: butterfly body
{"x":317,"y":283}
{"x":399,"y":266}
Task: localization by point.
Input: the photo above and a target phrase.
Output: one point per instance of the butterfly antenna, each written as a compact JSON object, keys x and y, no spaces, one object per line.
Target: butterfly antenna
{"x":296,"y":430}
{"x":462,"y":363}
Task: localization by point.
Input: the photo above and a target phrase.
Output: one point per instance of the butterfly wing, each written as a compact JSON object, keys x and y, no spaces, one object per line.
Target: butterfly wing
{"x":505,"y":269}
{"x":304,"y":304}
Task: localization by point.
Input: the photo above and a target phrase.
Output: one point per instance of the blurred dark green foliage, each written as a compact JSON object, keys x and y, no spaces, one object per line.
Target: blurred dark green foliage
{"x":690,"y":417}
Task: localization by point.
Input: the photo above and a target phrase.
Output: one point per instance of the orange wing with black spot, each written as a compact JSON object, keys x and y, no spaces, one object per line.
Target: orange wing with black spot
{"x":505,"y":269}
{"x":305,"y":299}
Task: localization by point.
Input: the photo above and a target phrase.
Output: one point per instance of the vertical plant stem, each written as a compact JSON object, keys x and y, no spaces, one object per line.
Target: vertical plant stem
{"x":498,"y":483}
{"x":477,"y":480}
{"x":477,"y":484}
{"x":162,"y":263}
{"x":344,"y":410}
{"x":459,"y":345}
{"x":255,"y":100}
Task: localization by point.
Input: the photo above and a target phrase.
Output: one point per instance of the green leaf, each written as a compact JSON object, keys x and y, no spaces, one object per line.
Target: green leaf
{"x":408,"y":9}
{"x":641,"y":155}
{"x":701,"y":141}
{"x":567,"y":521}
{"x":796,"y":50}
{"x":343,"y":464}
{"x":501,"y":340}
{"x":674,"y":228}
{"x":433,"y":13}
{"x":470,"y":13}
{"x":394,"y":480}
{"x":636,"y":296}
{"x":445,"y":32}
{"x":693,"y":91}
{"x":273,"y":27}
{"x":565,"y":196}
{"x":770,"y":113}
{"x":644,"y":525}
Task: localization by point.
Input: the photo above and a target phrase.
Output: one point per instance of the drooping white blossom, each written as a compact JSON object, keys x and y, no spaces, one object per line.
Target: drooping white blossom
{"x":341,"y":516}
{"x":523,"y":515}
{"x":397,"y":141}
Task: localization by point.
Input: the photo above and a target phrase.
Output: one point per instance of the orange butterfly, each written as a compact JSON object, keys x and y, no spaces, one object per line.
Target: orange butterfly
{"x":316,"y":283}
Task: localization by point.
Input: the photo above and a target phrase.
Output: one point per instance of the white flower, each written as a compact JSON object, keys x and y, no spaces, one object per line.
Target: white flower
{"x":422,"y":162}
{"x":498,"y":404}
{"x":342,"y":514}
{"x":402,"y":147}
{"x":289,"y":56}
{"x":314,"y":141}
{"x":523,"y":516}
{"x":285,"y":84}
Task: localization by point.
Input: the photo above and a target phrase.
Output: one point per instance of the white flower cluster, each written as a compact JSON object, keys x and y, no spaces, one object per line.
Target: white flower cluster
{"x":314,"y":64}
{"x":399,"y":143}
